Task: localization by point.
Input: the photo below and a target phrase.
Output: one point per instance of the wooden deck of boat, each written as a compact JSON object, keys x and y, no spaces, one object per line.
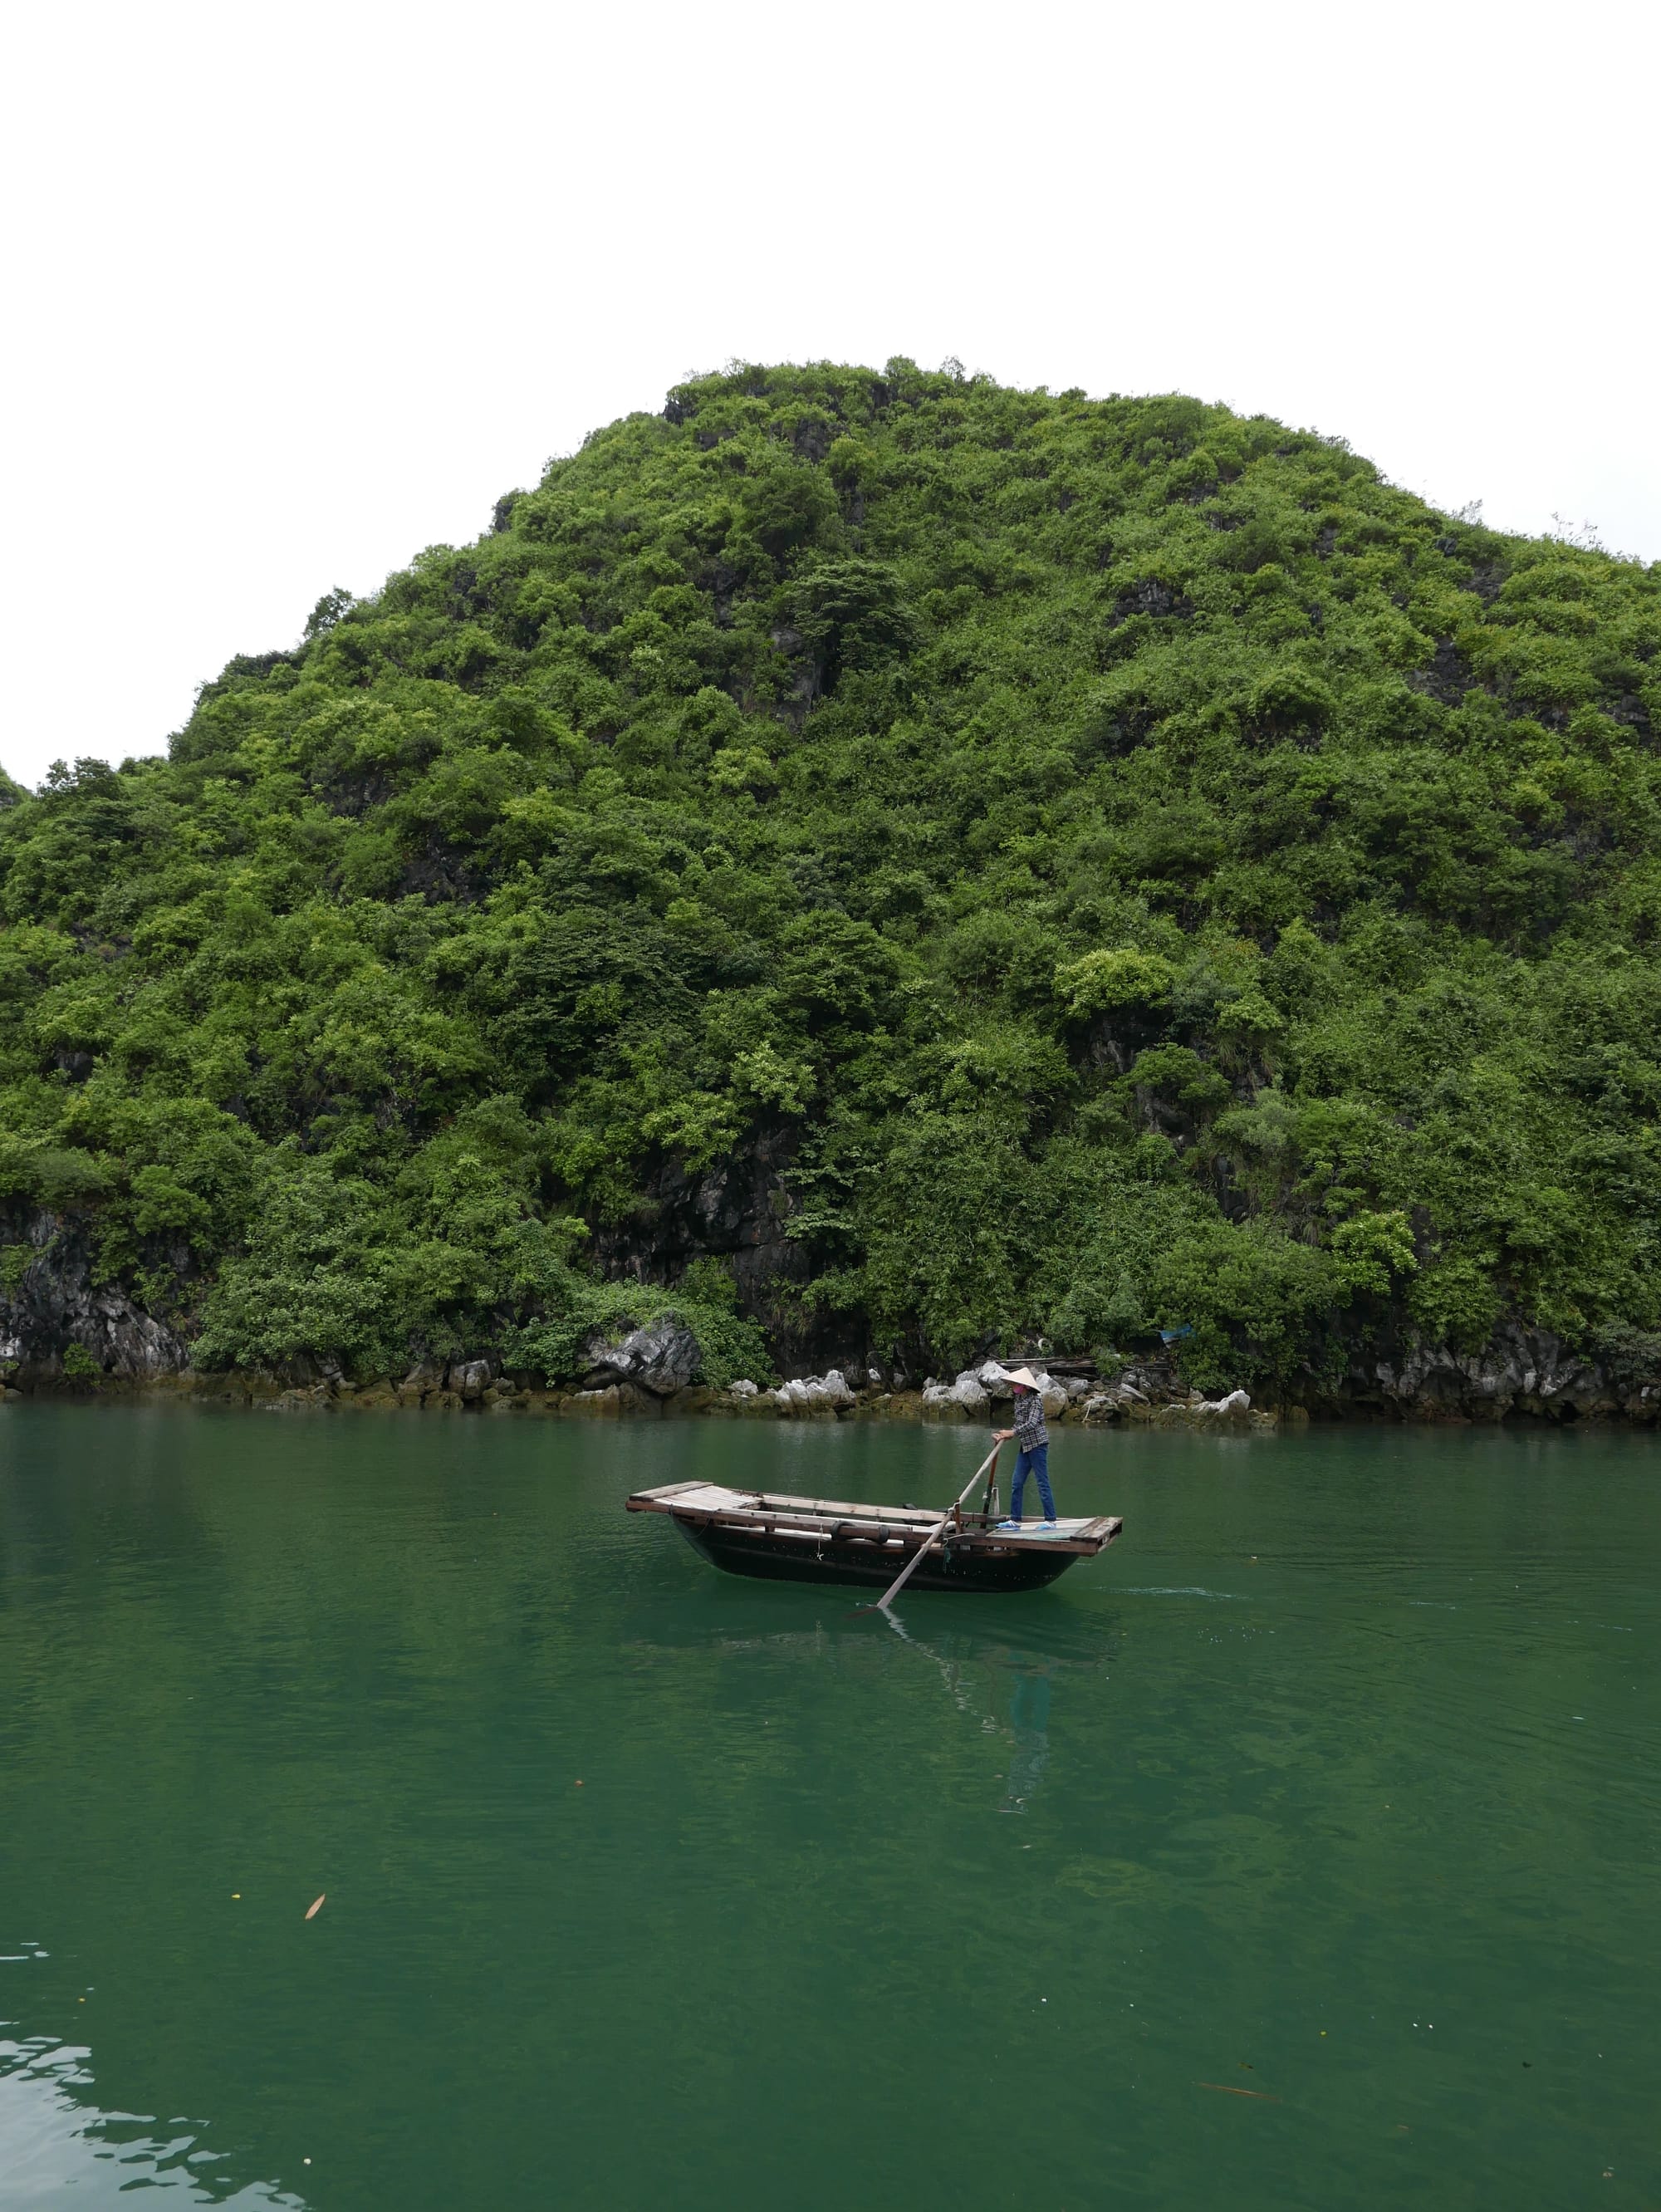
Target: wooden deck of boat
{"x":771,"y":1513}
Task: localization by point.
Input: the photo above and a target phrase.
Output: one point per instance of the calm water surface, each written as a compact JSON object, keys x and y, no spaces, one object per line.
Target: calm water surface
{"x":1334,"y":1784}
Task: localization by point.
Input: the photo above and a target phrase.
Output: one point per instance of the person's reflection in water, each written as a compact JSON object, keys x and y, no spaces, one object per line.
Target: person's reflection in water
{"x":1029,"y":1723}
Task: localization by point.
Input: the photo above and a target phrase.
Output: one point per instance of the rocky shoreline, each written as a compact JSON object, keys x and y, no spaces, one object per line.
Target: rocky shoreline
{"x":828,"y":1397}
{"x":60,"y":1334}
{"x":634,"y":1380}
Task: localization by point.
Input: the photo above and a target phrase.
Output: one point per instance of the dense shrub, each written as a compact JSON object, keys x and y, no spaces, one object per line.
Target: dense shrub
{"x":1083,"y":867}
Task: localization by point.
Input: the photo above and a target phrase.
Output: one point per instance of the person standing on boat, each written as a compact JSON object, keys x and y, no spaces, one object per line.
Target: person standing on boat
{"x":1032,"y":1442}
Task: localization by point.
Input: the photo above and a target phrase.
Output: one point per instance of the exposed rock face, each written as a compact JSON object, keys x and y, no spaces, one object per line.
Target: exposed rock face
{"x":965,"y":1399}
{"x":607,"y":1403}
{"x":993,"y":1379}
{"x":824,"y":1389}
{"x":816,"y":1394}
{"x":661,"y":1359}
{"x":1518,"y":1370}
{"x":736,"y":1210}
{"x":1235,"y":1406}
{"x":972,"y":1395}
{"x":1232,"y":1412}
{"x":469,"y":1379}
{"x":55,"y":1305}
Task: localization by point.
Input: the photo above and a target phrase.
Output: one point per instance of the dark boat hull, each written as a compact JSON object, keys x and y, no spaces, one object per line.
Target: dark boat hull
{"x":781,"y":1558}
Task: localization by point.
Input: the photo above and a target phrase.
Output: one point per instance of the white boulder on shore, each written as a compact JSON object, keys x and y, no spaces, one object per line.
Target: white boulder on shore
{"x":1236,"y":1403}
{"x":1235,"y":1409}
{"x":967,"y":1394}
{"x":811,"y":1394}
{"x":972,"y":1392}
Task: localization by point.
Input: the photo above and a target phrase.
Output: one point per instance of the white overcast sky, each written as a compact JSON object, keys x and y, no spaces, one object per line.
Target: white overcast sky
{"x":291,"y":292}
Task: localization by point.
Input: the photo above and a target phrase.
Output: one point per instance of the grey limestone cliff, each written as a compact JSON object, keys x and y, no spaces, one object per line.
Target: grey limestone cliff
{"x":52,"y":1305}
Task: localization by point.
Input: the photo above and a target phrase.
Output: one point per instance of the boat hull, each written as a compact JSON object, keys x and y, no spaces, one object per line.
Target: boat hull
{"x":863,"y":1547}
{"x":777,"y":1558}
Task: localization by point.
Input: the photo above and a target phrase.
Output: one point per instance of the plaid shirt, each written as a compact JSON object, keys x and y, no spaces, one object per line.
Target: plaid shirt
{"x":1029,"y":1430}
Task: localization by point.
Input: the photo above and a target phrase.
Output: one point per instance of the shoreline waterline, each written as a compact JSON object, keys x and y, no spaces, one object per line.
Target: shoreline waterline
{"x":628,"y":1403}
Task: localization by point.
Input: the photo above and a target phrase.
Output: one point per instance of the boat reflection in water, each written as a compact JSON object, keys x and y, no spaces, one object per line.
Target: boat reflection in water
{"x":1024,"y":1675}
{"x":1000,"y":1686}
{"x":1029,"y":1724}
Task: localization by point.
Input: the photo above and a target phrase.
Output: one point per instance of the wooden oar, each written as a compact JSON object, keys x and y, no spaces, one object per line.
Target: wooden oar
{"x":933,"y":1537}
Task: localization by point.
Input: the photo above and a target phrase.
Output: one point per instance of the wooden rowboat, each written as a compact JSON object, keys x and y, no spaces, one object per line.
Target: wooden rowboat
{"x":826,"y":1540}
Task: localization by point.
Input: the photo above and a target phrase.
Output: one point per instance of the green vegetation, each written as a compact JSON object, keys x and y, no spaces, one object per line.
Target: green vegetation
{"x":1097,"y":865}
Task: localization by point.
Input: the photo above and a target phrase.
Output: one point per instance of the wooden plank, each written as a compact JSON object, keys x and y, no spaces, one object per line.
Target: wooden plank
{"x":831,"y":1520}
{"x":659,"y":1501}
{"x":841,"y":1509}
{"x":919,"y":1515}
{"x":1075,"y":1537}
{"x":1081,"y":1548}
{"x":763,"y":1524}
{"x":1083,"y":1538}
{"x":714,"y":1496}
{"x":697,"y":1496}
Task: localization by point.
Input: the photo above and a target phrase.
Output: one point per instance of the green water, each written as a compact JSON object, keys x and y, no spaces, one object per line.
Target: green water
{"x":1336,"y":1781}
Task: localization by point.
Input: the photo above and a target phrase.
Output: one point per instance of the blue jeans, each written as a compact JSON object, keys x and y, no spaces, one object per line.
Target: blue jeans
{"x":1036,"y":1461}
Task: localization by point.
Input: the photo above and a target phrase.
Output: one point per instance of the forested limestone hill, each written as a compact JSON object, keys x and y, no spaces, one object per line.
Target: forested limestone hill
{"x":900,"y":863}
